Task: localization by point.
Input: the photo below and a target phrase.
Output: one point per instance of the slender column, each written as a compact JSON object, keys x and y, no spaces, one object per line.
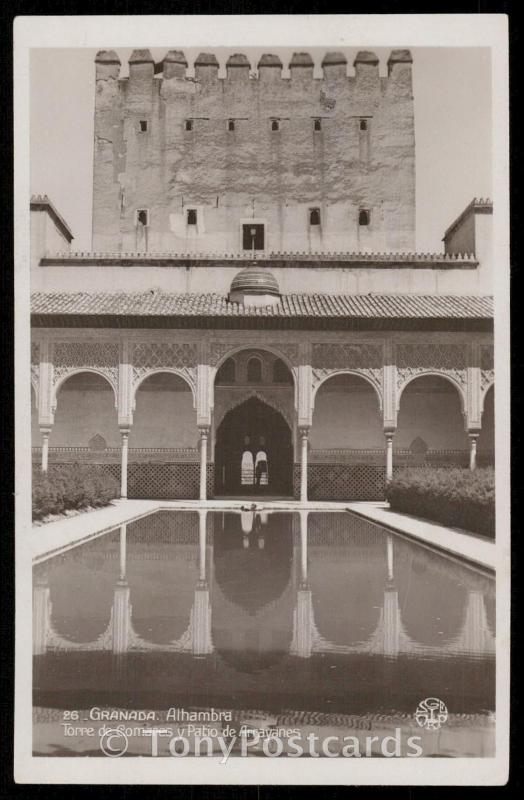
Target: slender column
{"x":473,"y":450}
{"x":124,"y":459}
{"x":45,"y":447}
{"x":304,"y":433}
{"x":202,"y":520}
{"x":204,"y":433}
{"x":390,"y":556}
{"x":389,"y":454}
{"x":303,"y":546}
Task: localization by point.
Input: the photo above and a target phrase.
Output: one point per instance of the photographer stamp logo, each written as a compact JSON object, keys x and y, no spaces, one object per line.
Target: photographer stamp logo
{"x":431,"y":713}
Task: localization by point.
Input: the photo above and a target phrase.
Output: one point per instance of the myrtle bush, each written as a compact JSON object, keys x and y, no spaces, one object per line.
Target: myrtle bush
{"x":460,"y":498}
{"x":71,"y":486}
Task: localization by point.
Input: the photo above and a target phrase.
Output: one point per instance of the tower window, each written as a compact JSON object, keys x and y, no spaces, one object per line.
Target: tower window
{"x":363,"y":217}
{"x":231,"y":124}
{"x":253,"y":236}
{"x":275,"y":125}
{"x":191,"y":216}
{"x":142,"y":217}
{"x":317,"y":125}
{"x":314,"y":216}
{"x":189,"y":124}
{"x":143,"y":125}
{"x":363,"y":124}
{"x":254,"y":370}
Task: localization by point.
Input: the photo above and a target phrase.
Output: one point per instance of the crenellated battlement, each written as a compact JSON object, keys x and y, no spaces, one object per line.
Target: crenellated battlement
{"x":206,"y":66}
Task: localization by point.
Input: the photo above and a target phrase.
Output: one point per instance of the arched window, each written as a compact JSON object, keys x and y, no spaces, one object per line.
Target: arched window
{"x":97,"y":442}
{"x":191,"y":216}
{"x":314,"y":216}
{"x":254,"y":370}
{"x":281,"y":373}
{"x":363,"y":217}
{"x":227,"y":372}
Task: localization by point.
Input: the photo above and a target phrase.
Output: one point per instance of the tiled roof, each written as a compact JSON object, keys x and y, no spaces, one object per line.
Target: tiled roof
{"x":363,"y":306}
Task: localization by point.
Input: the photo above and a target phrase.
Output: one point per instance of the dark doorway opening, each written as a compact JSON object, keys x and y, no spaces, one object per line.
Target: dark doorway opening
{"x":245,"y":432}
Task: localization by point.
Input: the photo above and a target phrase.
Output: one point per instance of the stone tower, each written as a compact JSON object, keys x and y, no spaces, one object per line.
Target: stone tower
{"x":212,"y":165}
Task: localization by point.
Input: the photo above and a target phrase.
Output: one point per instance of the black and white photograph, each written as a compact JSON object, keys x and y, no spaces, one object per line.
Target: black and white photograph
{"x":263,"y":460}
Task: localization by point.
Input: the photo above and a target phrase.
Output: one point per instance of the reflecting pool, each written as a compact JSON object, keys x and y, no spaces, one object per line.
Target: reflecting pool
{"x":317,"y":622}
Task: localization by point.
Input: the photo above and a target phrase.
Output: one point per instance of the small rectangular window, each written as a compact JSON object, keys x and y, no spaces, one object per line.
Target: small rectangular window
{"x":253,"y":236}
{"x":363,"y":124}
{"x":143,"y":125}
{"x":275,"y":125}
{"x":142,"y":217}
{"x":314,"y":216}
{"x":231,"y":124}
{"x":363,"y":217}
{"x":317,"y":125}
{"x":189,"y":124}
{"x":191,"y":216}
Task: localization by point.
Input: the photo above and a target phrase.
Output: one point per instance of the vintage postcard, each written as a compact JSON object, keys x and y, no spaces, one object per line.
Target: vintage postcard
{"x":262,"y":271}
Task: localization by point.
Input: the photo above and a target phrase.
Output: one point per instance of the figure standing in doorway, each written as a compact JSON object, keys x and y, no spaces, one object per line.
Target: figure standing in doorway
{"x":261,"y":467}
{"x":247,"y":468}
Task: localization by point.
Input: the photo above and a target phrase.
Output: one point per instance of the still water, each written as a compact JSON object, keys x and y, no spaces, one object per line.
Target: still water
{"x":310,"y":621}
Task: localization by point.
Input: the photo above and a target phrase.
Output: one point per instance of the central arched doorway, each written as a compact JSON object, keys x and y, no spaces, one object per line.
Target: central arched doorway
{"x":253,"y":426}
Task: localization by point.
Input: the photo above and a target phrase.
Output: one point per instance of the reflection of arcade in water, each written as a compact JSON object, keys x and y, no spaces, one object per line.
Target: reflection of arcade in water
{"x":318,"y":613}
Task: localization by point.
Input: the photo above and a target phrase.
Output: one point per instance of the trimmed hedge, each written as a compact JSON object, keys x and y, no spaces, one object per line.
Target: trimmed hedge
{"x":460,"y":498}
{"x":71,"y":487}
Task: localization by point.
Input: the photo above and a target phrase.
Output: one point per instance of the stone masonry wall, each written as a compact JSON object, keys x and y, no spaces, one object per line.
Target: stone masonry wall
{"x":253,"y":173}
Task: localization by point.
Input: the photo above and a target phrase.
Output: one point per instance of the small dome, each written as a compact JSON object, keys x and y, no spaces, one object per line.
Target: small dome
{"x":255,"y":280}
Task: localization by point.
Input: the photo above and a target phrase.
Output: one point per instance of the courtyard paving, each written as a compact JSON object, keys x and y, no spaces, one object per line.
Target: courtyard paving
{"x":57,"y":536}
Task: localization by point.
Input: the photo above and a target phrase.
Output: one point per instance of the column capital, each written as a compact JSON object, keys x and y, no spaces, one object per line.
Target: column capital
{"x":389,"y":432}
{"x":125,"y":430}
{"x":204,"y":430}
{"x":304,"y":431}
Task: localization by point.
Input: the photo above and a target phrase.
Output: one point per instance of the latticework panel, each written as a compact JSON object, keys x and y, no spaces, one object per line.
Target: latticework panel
{"x":344,"y":482}
{"x":166,"y":481}
{"x":104,"y":469}
{"x":432,"y":458}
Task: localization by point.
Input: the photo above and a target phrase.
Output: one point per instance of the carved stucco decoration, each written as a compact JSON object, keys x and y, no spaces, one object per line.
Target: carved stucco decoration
{"x":153,"y":356}
{"x":217,"y":350}
{"x":70,"y":357}
{"x":487,"y":366}
{"x":228,"y":400}
{"x":364,"y":358}
{"x":419,"y":359}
